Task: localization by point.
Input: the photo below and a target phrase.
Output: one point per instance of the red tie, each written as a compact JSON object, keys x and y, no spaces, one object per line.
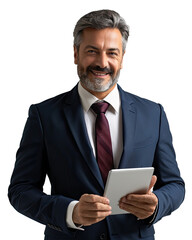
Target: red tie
{"x":104,"y":153}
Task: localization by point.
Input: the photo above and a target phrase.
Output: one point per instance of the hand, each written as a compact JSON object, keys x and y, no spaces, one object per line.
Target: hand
{"x":91,"y":209}
{"x":141,"y":205}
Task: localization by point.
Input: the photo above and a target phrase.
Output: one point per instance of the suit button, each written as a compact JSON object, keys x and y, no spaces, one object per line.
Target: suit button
{"x":102,"y":236}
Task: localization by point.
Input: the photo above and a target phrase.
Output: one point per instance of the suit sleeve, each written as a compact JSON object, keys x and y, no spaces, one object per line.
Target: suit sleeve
{"x":26,"y":188}
{"x":169,"y":188}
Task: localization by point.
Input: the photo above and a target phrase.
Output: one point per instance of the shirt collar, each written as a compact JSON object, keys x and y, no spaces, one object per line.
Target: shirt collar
{"x":87,"y":99}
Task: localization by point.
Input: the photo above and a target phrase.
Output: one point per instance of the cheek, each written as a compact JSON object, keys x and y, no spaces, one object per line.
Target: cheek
{"x":85,"y":62}
{"x":116,"y":67}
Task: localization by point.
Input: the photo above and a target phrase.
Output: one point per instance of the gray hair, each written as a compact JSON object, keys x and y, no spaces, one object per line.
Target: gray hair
{"x":99,"y":20}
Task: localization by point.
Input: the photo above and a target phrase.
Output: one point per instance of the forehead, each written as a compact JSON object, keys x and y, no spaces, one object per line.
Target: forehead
{"x":102,"y":38}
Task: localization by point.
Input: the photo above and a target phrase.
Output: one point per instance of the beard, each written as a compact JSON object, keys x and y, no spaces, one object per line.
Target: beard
{"x":97,"y":84}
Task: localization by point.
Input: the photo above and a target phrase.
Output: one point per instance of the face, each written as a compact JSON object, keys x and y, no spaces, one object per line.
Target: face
{"x":99,"y":59}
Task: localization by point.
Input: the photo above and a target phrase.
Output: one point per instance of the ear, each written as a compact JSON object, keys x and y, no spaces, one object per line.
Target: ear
{"x":75,"y":55}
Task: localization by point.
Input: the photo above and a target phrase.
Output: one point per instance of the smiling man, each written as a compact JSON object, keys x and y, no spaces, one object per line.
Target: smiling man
{"x":76,"y":138}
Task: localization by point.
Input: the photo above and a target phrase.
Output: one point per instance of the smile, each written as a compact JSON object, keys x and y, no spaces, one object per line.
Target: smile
{"x":99,"y":74}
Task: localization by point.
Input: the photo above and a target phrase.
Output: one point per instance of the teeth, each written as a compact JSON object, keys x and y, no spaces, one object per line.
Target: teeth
{"x":100,"y":74}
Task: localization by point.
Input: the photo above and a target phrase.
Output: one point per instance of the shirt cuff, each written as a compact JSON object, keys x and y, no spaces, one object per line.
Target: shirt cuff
{"x":69,"y":219}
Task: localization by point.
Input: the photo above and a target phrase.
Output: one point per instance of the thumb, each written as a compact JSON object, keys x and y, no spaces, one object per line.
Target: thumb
{"x":152,"y":183}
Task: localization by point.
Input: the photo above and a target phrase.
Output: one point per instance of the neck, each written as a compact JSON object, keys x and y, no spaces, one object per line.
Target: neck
{"x":99,"y":95}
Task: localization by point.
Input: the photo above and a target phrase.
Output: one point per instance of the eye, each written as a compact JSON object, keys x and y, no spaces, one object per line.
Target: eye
{"x":91,"y":51}
{"x":113,"y":54}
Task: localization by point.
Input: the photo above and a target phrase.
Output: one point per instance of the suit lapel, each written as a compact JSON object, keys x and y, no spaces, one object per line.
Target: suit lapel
{"x":129,"y":122}
{"x":75,"y":118}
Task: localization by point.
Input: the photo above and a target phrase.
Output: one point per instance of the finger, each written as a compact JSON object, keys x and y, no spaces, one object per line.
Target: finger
{"x":140,"y":198}
{"x":138,"y":209}
{"x":86,"y":214}
{"x":95,"y":206}
{"x":152,"y":183}
{"x":145,"y":207}
{"x":83,"y":216}
{"x":91,"y":198}
{"x":95,"y":214}
{"x":138,"y":212}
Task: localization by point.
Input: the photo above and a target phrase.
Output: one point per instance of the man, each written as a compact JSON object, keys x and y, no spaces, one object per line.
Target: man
{"x":65,"y":138}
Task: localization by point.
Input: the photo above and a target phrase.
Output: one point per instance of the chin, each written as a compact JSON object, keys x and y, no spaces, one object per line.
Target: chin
{"x":97,"y":85}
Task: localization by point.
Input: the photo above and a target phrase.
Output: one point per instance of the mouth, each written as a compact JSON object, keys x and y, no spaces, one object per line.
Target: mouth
{"x":99,"y":73}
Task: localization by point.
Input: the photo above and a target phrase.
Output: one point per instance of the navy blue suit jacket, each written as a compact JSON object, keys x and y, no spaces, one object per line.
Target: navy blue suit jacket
{"x":55,"y":142}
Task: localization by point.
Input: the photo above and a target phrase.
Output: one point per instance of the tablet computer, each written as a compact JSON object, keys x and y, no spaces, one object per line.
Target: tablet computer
{"x":121,"y":182}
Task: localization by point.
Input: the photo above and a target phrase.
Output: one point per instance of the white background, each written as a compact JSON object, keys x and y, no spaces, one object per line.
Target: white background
{"x":36,"y":63}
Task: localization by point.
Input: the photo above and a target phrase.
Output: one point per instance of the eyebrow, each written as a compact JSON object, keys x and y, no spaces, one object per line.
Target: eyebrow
{"x":110,"y":49}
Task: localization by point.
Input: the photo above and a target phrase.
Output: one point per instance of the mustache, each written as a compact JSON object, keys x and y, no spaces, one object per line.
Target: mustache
{"x":97,"y":68}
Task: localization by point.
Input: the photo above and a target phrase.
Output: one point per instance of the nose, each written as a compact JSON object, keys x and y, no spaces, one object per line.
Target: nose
{"x":102,"y":60}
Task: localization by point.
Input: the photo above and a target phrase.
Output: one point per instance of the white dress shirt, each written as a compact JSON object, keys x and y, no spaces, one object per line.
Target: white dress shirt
{"x":114,"y":117}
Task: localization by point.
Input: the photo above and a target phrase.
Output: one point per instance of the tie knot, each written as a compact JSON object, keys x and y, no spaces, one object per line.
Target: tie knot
{"x":100,"y":107}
